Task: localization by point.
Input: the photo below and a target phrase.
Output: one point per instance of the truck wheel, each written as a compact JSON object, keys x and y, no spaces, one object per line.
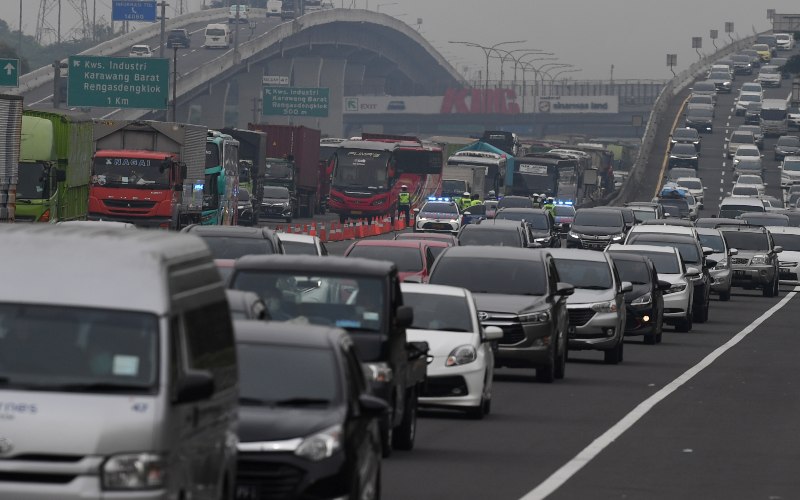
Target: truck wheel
{"x":613,"y":356}
{"x":407,"y":430}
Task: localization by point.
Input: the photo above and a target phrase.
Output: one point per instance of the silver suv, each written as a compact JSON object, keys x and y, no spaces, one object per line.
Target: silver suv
{"x":755,"y":264}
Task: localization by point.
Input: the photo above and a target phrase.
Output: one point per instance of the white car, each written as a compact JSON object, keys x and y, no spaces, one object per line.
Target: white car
{"x":751,"y":88}
{"x":769,"y":76}
{"x":744,"y":191}
{"x":140,"y":51}
{"x":679,"y":298}
{"x":695,"y":187}
{"x":302,"y":244}
{"x":752,"y":180}
{"x":744,"y":99}
{"x":274,"y":8}
{"x":460,"y":356}
{"x":785,"y":41}
{"x":790,"y":171}
{"x":789,"y":259}
{"x":438,"y":214}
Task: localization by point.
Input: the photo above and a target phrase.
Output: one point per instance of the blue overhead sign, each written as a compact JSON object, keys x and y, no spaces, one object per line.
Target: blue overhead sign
{"x":133,"y":10}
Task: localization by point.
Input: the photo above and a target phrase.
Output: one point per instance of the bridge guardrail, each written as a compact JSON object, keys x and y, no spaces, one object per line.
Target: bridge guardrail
{"x":665,"y":99}
{"x":43,"y":75}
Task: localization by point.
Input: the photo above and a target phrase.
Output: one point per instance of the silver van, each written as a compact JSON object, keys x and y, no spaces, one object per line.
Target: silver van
{"x":118,"y":374}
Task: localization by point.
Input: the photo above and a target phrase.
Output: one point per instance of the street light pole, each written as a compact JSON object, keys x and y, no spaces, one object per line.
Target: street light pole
{"x":163,"y":6}
{"x":542,"y":72}
{"x":174,"y":83}
{"x":487,"y":50}
{"x":526,"y":65}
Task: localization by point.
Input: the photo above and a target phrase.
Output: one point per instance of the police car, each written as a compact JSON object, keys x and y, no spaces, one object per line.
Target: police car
{"x":438,"y":214}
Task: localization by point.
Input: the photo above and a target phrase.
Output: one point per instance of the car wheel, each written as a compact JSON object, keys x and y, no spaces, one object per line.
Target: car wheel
{"x":725,"y":296}
{"x":685,"y":325}
{"x":771,"y":290}
{"x":477,"y":412}
{"x":700,"y":315}
{"x":404,"y":437}
{"x":652,"y":337}
{"x":613,"y":356}
{"x":660,"y":328}
{"x":546,"y":374}
{"x":387,"y":436}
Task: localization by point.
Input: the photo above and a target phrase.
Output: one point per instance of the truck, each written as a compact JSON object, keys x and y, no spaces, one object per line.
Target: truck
{"x":494,"y":166}
{"x":538,"y":173}
{"x":11,"y":122}
{"x":293,"y":161}
{"x":148,"y":173}
{"x":55,"y":166}
{"x":458,"y":179}
{"x":774,"y":117}
{"x":221,"y":181}
{"x":252,"y":162}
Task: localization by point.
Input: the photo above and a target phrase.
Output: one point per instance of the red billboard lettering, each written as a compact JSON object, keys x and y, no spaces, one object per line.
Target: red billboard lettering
{"x":477,"y":101}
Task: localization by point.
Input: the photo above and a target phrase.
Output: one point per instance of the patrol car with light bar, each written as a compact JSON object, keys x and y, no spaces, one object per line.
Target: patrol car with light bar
{"x":438,"y":214}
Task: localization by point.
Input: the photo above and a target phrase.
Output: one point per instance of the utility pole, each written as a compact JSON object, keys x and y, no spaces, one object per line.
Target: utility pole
{"x":256,"y":101}
{"x":236,"y":33}
{"x":19,"y":38}
{"x":174,"y":83}
{"x":94,"y":21}
{"x":56,"y":84}
{"x":163,"y":6}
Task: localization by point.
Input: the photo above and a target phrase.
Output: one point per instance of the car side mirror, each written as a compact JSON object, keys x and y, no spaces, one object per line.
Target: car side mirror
{"x":404,"y":316}
{"x":61,"y":175}
{"x":664,"y":285}
{"x":417,"y":349}
{"x":414,"y":279}
{"x":733,"y":251}
{"x":711,"y":263}
{"x":372,"y":406}
{"x":416,"y":211}
{"x":626,"y":287}
{"x":491,"y":333}
{"x":777,"y":249}
{"x":692,"y":272}
{"x":705,"y":188}
{"x":197,"y":385}
{"x":707,"y":251}
{"x":564,"y":289}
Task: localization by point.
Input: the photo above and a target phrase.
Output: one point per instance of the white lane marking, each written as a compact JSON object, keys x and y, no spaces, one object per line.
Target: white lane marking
{"x":729,"y":123}
{"x":109,"y":114}
{"x":723,"y":166}
{"x":562,"y":475}
{"x":41,"y":100}
{"x":722,"y":181}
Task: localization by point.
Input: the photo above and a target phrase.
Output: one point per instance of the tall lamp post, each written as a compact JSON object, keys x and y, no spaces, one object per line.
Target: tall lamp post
{"x":541,"y":71}
{"x":510,"y":55}
{"x":559,"y":73}
{"x":487,"y":51}
{"x":528,"y":66}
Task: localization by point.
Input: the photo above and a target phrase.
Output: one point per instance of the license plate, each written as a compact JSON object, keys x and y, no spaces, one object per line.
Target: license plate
{"x":247,"y":492}
{"x":356,"y":212}
{"x":738,"y":273}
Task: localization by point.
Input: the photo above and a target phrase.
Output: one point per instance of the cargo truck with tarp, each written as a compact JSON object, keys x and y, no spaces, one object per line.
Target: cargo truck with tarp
{"x":55,"y":166}
{"x":11,"y":123}
{"x":500,"y":165}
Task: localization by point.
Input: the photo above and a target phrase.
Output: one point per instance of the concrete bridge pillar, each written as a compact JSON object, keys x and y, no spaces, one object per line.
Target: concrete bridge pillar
{"x":333,"y":77}
{"x":249,"y":105}
{"x":354,"y":78}
{"x":306,"y":72}
{"x":207,"y":109}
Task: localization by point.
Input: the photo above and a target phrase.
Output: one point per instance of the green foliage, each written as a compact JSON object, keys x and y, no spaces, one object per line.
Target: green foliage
{"x":8,"y":52}
{"x":792,"y":65}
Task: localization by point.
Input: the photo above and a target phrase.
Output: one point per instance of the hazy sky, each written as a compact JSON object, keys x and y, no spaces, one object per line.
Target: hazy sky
{"x":633,"y":35}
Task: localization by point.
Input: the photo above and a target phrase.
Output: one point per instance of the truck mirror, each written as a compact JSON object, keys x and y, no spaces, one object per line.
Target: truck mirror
{"x":405,"y":316}
{"x":195,"y":386}
{"x":61,"y":175}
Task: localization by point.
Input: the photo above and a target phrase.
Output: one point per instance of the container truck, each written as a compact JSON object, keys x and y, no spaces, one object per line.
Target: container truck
{"x":293,"y":161}
{"x":148,"y":173}
{"x":252,"y":161}
{"x":221,"y":183}
{"x":458,"y":179}
{"x":55,"y":166}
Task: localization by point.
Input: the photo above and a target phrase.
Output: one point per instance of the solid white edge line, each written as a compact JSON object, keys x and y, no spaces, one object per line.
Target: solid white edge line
{"x":563,"y":474}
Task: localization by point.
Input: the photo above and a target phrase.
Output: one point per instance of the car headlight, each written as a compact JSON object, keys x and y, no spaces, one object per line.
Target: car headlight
{"x":735,"y":161}
{"x":758,"y":260}
{"x":380,"y":372}
{"x":643,"y":300}
{"x":321,"y":445}
{"x":673,"y":157}
{"x":605,"y":307}
{"x":536,"y":317}
{"x":675,"y":288}
{"x":617,"y":237}
{"x":541,"y":240}
{"x":134,"y":472}
{"x":461,"y":355}
{"x":573,"y":234}
{"x":722,"y":264}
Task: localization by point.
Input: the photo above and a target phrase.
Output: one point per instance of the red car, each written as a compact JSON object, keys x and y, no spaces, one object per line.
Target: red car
{"x":450,"y":239}
{"x":412,"y":258}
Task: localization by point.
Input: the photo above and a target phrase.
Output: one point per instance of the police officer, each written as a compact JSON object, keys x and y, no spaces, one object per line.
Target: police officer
{"x":476,"y":200}
{"x":404,"y":203}
{"x":550,"y":205}
{"x":466,"y":200}
{"x":535,"y":199}
{"x":491,"y":195}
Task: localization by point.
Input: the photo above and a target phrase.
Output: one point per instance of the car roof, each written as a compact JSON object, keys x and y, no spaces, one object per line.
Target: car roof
{"x":745,"y":147}
{"x":495,"y":253}
{"x":313,"y":264}
{"x":452,"y":291}
{"x":744,"y":228}
{"x":391,"y":243}
{"x":785,"y":230}
{"x":708,"y":230}
{"x":717,"y":220}
{"x":297,"y":238}
{"x":445,"y":237}
{"x":698,"y":179}
{"x":286,"y":334}
{"x":578,"y":254}
{"x":603,"y":210}
{"x":616,"y":247}
{"x":521,"y":210}
{"x":641,"y":204}
{"x":629,"y":256}
{"x":744,"y":200}
{"x":665,"y":229}
{"x":764,"y":215}
{"x":229,"y":231}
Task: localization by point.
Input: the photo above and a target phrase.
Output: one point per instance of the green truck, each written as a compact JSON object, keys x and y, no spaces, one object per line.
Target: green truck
{"x":55,"y":166}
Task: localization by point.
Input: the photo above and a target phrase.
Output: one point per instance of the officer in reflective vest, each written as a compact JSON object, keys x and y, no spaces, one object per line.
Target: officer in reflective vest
{"x":404,"y":203}
{"x":476,"y":200}
{"x":550,"y":205}
{"x":465,"y":201}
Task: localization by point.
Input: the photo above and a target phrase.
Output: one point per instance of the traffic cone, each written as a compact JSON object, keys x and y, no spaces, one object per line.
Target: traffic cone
{"x":349,"y":232}
{"x":278,"y":229}
{"x":312,"y":230}
{"x":288,"y":229}
{"x":323,"y":235}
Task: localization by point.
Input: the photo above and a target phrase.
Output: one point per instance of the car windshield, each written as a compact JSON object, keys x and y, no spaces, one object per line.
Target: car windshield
{"x":768,"y":70}
{"x":742,"y":138}
{"x":751,"y":87}
{"x":684,"y":149}
{"x":749,"y":179}
{"x":719,"y":75}
{"x":600,"y":219}
{"x":793,"y":165}
{"x":215,"y":32}
{"x":690,"y":184}
{"x":407,"y":259}
{"x":675,"y":208}
{"x":536,"y":220}
{"x":683,"y":133}
{"x":788,"y":140}
{"x":491,"y":236}
{"x":444,"y":313}
{"x":699,"y":113}
{"x":712,"y":241}
{"x":747,"y":152}
{"x":564,"y":211}
{"x":57,"y":348}
{"x":754,"y":129}
{"x":228,"y":247}
{"x":665,"y":263}
{"x":586,"y":274}
{"x":643,"y":214}
{"x":634,"y":271}
{"x":790,"y":242}
{"x":755,"y":220}
{"x":744,"y":191}
{"x":142,"y":173}
{"x":278,"y":192}
{"x":704,"y":87}
{"x":353,"y":303}
{"x":487,"y":275}
{"x":308,"y":375}
{"x":750,"y":98}
{"x":746,"y":240}
{"x":688,"y":250}
{"x":299,"y":248}
{"x":440,"y":208}
{"x":514,"y":202}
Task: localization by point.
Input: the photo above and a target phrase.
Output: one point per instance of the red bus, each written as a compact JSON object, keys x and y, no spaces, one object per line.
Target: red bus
{"x":369,"y":173}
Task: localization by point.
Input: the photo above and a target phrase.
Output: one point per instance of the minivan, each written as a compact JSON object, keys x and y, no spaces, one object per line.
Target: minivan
{"x":218,"y":36}
{"x":119,"y":378}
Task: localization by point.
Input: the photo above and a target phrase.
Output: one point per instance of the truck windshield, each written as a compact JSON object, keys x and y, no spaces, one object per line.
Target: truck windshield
{"x":362,"y":169}
{"x":453,"y":186}
{"x":278,"y":170}
{"x":130,"y":172}
{"x":32,"y":183}
{"x":773,"y":114}
{"x":212,"y":155}
{"x":71,"y":349}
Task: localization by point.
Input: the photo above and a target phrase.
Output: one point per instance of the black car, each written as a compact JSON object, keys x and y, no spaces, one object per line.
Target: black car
{"x":540,"y":224}
{"x":313,"y":434}
{"x":644,"y":305}
{"x":752,"y":114}
{"x":701,"y":119}
{"x":363,"y":297}
{"x":685,"y":136}
{"x":244,"y":209}
{"x":519,"y":291}
{"x":628,"y":216}
{"x":232,"y":242}
{"x":742,"y":64}
{"x":787,"y":145}
{"x":277,"y":203}
{"x":493,"y":232}
{"x":596,"y":228}
{"x":179,"y":38}
{"x":514,"y":202}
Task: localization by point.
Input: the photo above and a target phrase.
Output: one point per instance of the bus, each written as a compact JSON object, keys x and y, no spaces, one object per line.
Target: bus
{"x":221,"y":183}
{"x":539,"y":174}
{"x":506,"y":141}
{"x":495,"y":167}
{"x":774,"y":117}
{"x":369,"y":173}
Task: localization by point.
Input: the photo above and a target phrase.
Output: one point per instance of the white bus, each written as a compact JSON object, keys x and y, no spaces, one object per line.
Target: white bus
{"x":774,"y":117}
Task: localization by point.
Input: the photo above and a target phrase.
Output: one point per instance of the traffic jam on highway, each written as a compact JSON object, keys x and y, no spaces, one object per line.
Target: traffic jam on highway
{"x":268,"y":313}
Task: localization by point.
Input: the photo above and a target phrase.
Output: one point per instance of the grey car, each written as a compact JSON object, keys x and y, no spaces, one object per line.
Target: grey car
{"x":721,"y":272}
{"x":747,"y":160}
{"x":597,"y":308}
{"x":787,"y":145}
{"x":756,"y":263}
{"x":721,"y":80}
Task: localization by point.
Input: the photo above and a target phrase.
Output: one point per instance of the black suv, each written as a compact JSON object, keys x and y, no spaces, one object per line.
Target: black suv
{"x":596,"y":228}
{"x":362,"y":296}
{"x":178,"y":38}
{"x":519,"y":291}
{"x":684,"y":155}
{"x":491,"y":232}
{"x":232,"y":242}
{"x":539,"y":222}
{"x":685,"y":136}
{"x":756,"y":263}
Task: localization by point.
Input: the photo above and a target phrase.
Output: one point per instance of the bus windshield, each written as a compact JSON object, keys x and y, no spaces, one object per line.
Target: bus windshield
{"x":362,"y":169}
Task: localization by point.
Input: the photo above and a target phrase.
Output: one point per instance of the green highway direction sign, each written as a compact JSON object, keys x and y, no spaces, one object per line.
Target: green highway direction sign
{"x":295,"y":101}
{"x":9,"y":72}
{"x":118,"y":82}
